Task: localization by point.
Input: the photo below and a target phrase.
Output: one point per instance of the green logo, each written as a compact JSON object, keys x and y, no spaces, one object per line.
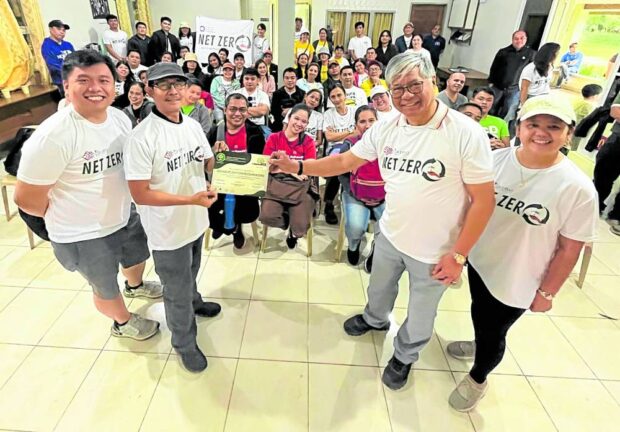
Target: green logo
{"x":221,"y":157}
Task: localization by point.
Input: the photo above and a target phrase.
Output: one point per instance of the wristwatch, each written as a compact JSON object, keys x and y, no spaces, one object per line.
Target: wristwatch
{"x":460,"y":259}
{"x":300,"y":171}
{"x":546,"y":295}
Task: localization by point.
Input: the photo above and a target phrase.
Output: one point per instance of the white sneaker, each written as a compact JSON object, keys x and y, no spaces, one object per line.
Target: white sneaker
{"x":462,"y":350}
{"x":148,"y":289}
{"x":137,"y":328}
{"x":467,"y":394}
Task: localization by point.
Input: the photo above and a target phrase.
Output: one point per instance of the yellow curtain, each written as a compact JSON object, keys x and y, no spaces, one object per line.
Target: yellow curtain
{"x":32,"y":16}
{"x":338,"y":20}
{"x":16,"y":65}
{"x":383,"y":21}
{"x":143,"y":13}
{"x":355,"y":17}
{"x":124,"y":20}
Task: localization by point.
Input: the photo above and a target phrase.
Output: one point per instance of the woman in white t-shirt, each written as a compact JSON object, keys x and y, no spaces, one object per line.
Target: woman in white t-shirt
{"x":338,"y":124}
{"x":546,"y":209}
{"x":416,"y":46}
{"x":313,"y":99}
{"x":536,"y":77}
{"x":311,"y":80}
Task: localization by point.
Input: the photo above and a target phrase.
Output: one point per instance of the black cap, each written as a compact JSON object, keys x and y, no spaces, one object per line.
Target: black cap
{"x":58,"y":23}
{"x":165,"y":70}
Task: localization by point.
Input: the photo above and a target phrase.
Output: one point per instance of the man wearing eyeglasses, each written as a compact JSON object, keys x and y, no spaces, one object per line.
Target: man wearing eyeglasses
{"x":437,"y":169}
{"x":165,"y":161}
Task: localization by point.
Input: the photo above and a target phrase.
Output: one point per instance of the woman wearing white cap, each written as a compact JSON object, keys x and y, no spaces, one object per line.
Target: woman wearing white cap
{"x":546,"y":209}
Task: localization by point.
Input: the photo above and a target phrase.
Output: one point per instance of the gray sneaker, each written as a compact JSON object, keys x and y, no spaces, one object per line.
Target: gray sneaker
{"x":467,"y":394}
{"x":615,"y":229}
{"x":462,"y":350}
{"x":148,"y":289}
{"x":137,"y":328}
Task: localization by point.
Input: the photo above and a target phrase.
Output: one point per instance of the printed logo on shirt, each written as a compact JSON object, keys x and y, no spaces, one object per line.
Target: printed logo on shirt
{"x":177,"y":159}
{"x":431,"y":170}
{"x":97,"y":161}
{"x":533,"y":214}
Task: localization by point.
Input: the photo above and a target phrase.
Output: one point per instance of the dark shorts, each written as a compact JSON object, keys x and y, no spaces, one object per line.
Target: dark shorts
{"x":98,"y":259}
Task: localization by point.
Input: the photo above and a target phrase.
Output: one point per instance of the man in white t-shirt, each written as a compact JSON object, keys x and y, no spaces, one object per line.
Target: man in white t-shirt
{"x":359,"y":43}
{"x":258,"y":100}
{"x":355,"y":96}
{"x":298,"y":26}
{"x":165,"y":160}
{"x":114,"y":39}
{"x":438,"y":176}
{"x":381,"y":100}
{"x":134,"y":59}
{"x":71,"y":174}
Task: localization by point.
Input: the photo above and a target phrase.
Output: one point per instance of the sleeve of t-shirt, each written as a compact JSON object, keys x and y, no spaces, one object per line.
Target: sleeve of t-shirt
{"x":270,"y":145}
{"x":106,"y":37}
{"x":367,"y":147}
{"x":43,"y":160}
{"x":138,"y":159}
{"x":527,"y":73}
{"x":582,"y":219}
{"x":477,"y":160}
{"x":351,"y":45}
{"x":264,"y":99}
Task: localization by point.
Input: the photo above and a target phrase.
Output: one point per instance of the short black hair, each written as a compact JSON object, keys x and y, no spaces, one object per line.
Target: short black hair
{"x":143,"y":71}
{"x":370,"y":48}
{"x":289,"y":70}
{"x":336,"y":86}
{"x":482,"y":89}
{"x":298,"y":19}
{"x":261,"y":26}
{"x":469,"y":104}
{"x":339,"y":47}
{"x":225,"y":50}
{"x":347,"y":67}
{"x":86,"y":58}
{"x":359,"y":23}
{"x":361,"y":109}
{"x":141,"y":23}
{"x":251,"y":71}
{"x":235,"y":96}
{"x":165,"y":18}
{"x":110,"y":16}
{"x":129,"y":51}
{"x":185,"y":47}
{"x":300,"y":107}
{"x":590,"y":90}
{"x":238,"y":55}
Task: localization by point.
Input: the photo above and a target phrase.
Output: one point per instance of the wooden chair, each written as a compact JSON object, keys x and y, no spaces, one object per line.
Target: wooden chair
{"x":308,"y":236}
{"x":5,"y":181}
{"x":254,"y":233}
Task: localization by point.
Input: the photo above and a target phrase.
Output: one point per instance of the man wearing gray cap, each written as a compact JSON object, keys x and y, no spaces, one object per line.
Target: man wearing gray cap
{"x":54,"y":49}
{"x":165,"y":160}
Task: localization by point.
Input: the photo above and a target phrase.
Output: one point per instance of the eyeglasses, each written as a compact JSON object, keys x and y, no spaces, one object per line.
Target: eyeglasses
{"x":413,"y":87}
{"x":235,"y":110}
{"x":167,"y":85}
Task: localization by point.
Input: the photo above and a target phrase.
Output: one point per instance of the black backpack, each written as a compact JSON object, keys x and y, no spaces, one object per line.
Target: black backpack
{"x":11,"y":164}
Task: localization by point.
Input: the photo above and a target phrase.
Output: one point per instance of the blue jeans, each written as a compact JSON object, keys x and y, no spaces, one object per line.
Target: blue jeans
{"x":511,"y":103}
{"x":357,"y":216}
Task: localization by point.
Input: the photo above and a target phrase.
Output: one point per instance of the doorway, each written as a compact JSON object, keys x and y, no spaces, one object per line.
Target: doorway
{"x":425,"y":17}
{"x":535,"y":27}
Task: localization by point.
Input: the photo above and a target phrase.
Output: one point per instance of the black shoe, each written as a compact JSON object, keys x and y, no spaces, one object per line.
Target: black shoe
{"x":330,"y":215}
{"x":194,"y":360}
{"x":353,"y":256}
{"x":238,"y":238}
{"x":216,"y":234}
{"x":368,"y":261}
{"x":357,"y":326}
{"x":291,"y":241}
{"x":208,"y":309}
{"x":395,"y":374}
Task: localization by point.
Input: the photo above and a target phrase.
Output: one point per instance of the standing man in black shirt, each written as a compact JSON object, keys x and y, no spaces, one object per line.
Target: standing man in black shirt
{"x":162,"y":41}
{"x":435,"y":44}
{"x":140,"y":42}
{"x":505,"y":72}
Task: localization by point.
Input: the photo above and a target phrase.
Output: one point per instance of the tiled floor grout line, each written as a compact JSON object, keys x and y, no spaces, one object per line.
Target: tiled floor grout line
{"x":2,"y":384}
{"x":13,"y":299}
{"x":75,"y":296}
{"x":146,"y":411}
{"x":308,"y":343}
{"x":542,"y":404}
{"x":232,"y":385}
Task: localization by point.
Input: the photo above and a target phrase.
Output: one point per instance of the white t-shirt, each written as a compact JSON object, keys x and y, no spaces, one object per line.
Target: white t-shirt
{"x":425,"y":169}
{"x":339,"y":123}
{"x":259,"y":97}
{"x":388,"y":115}
{"x":136,"y":71}
{"x":118,"y":40}
{"x":539,"y":85}
{"x":172,"y":157}
{"x":359,"y":45}
{"x":315,"y":123}
{"x":355,"y":97}
{"x":187,"y":41}
{"x":513,"y":253}
{"x":259,"y":47}
{"x":423,"y":52}
{"x":84,"y":161}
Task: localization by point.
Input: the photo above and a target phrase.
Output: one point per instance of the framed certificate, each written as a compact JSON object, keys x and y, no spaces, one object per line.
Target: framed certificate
{"x":240,"y":173}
